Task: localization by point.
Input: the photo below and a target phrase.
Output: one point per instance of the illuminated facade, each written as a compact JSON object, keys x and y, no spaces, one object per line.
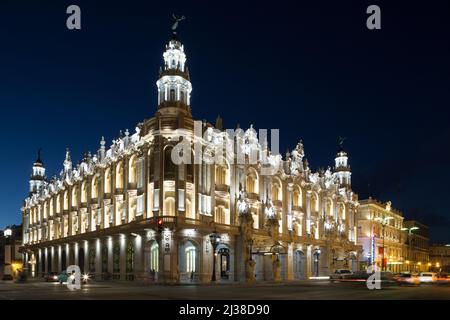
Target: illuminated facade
{"x":376,"y":221}
{"x":103,"y":214}
{"x":440,"y":257}
{"x":416,"y":246}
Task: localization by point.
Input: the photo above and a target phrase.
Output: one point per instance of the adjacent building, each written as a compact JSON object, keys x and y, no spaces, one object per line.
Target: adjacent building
{"x":416,"y":246}
{"x":440,"y":257}
{"x":10,"y":257}
{"x":134,"y":210}
{"x":381,"y":236}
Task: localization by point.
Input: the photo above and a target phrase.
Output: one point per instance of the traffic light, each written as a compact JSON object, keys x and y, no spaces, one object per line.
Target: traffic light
{"x":160,"y":224}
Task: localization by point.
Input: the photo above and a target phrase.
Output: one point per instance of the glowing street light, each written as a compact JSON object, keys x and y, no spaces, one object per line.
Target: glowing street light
{"x":384,"y":221}
{"x":410,"y":230}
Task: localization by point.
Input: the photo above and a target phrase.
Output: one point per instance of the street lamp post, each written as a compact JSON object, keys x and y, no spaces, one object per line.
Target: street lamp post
{"x":384,"y":222}
{"x":410,"y":230}
{"x":215,"y":239}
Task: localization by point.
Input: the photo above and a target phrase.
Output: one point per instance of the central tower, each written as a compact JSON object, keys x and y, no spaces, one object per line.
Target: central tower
{"x":174,"y":85}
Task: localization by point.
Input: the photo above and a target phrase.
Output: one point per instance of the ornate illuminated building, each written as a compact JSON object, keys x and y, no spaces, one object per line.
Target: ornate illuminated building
{"x":381,"y":235}
{"x":130,"y":212}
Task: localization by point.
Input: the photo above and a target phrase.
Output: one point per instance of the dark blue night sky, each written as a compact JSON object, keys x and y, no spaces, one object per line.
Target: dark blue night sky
{"x":312,"y":70}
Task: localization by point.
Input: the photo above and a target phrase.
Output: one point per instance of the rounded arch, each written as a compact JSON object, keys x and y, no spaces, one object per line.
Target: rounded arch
{"x":84,"y":192}
{"x":74,"y":196}
{"x":225,"y":261}
{"x":132,"y":169}
{"x":94,"y":187}
{"x":107,"y":180}
{"x":252,"y":181}
{"x":58,"y":203}
{"x":153,"y":256}
{"x":119,"y":175}
{"x":222,"y":172}
{"x":277,"y":191}
{"x":297,"y":196}
{"x":299,"y":264}
{"x":189,"y":260}
{"x":169,"y":206}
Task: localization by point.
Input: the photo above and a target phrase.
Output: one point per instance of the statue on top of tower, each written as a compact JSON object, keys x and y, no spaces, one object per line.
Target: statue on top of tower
{"x":341,"y":143}
{"x":176,"y":20}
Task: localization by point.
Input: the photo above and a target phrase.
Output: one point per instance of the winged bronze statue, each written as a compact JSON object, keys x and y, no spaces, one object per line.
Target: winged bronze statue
{"x":176,"y":22}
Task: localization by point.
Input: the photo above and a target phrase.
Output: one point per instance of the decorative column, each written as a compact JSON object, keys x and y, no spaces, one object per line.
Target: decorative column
{"x":246,"y":223}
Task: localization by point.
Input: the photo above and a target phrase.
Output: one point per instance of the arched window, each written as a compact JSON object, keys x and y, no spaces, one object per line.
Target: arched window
{"x":58,"y":203}
{"x":172,"y":95}
{"x":66,"y":200}
{"x":154,"y":256}
{"x":84,"y":192}
{"x":108,"y":180}
{"x":222,"y":177}
{"x":74,"y":197}
{"x":169,"y":206}
{"x":191,"y":255}
{"x":276,"y":191}
{"x":119,"y":175}
{"x":182,"y":96}
{"x":45,"y":210}
{"x":329,"y":207}
{"x":252,"y":182}
{"x":132,"y":170}
{"x":94,"y":188}
{"x":297,"y":197}
{"x":50,"y":207}
{"x":220,"y":215}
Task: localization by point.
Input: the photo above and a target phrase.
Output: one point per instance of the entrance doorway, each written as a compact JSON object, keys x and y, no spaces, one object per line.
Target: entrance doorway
{"x":300,"y":265}
{"x":224,"y":254}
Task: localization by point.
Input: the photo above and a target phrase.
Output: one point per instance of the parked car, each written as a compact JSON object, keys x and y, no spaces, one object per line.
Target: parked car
{"x":407,"y":278}
{"x":63,"y":277}
{"x":384,"y":277}
{"x":51,"y":277}
{"x":340,"y":274}
{"x":427,"y":277}
{"x":443,"y":278}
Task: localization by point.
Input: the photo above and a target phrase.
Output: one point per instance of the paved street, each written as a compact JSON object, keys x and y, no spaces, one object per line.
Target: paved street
{"x":294,"y":290}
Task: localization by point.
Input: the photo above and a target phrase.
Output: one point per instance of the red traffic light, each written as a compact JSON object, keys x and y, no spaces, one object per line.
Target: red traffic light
{"x":160,"y":222}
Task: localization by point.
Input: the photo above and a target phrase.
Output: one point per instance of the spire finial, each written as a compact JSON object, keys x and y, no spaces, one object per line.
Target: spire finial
{"x":68,"y":154}
{"x":341,"y":143}
{"x":39,"y":160}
